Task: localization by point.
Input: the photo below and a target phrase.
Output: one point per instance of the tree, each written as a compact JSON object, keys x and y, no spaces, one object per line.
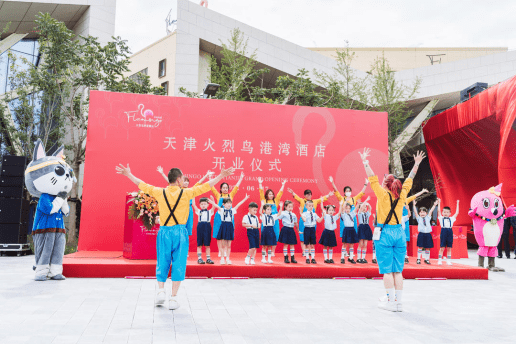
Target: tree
{"x":236,"y":74}
{"x":69,"y":70}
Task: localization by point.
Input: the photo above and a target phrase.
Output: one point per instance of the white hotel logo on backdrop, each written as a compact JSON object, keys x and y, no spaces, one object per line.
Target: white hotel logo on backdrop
{"x":143,"y":118}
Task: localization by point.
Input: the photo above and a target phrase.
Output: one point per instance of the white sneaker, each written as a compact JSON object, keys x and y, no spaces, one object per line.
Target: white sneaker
{"x":247,"y":260}
{"x":400,"y":306}
{"x":160,"y":297}
{"x":274,"y":255}
{"x":228,"y":262}
{"x":440,"y":262}
{"x":173,"y":304}
{"x":219,"y":254}
{"x":383,"y":298}
{"x":449,"y":262}
{"x":264,"y":261}
{"x":388,"y":306}
{"x":252,"y":262}
{"x":270,"y":261}
{"x":222,"y":262}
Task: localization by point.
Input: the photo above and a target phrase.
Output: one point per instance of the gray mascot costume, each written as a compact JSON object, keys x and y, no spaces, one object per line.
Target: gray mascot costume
{"x":51,"y":179}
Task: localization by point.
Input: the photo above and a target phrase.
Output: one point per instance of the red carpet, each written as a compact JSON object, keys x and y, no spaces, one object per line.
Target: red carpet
{"x":112,"y":265}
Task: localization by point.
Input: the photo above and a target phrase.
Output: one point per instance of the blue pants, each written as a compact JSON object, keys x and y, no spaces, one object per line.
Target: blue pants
{"x":171,"y":246}
{"x":391,"y":249}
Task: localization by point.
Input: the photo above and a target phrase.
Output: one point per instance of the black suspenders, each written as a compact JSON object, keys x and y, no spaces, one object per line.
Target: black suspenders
{"x":172,"y":210}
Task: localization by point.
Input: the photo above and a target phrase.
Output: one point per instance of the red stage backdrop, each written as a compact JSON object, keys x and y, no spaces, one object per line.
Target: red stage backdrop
{"x":305,"y":145}
{"x":472,"y":147}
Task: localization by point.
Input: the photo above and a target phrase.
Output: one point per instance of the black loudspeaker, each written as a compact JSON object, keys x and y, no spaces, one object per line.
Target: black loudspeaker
{"x":11,"y":160}
{"x":11,"y":192}
{"x":11,"y":181}
{"x":13,"y":171}
{"x":14,"y":210}
{"x":13,"y":233}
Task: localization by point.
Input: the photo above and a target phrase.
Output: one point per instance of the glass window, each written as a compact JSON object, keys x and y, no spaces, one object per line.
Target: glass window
{"x":165,"y":86}
{"x":136,"y":76}
{"x":162,"y":68}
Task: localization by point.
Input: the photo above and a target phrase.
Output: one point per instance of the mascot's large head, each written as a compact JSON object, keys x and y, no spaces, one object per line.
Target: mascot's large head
{"x":48,"y":174}
{"x":488,"y":203}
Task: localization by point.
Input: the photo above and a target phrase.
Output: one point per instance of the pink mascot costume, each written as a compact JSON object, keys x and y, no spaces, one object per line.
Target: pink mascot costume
{"x":487,"y":212}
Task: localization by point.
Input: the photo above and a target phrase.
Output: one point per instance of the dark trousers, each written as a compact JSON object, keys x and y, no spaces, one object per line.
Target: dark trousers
{"x":504,"y":240}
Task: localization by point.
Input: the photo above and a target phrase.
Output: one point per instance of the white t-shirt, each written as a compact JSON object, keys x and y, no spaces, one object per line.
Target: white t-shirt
{"x":349,"y":219}
{"x":204,"y":215}
{"x":288,"y":219}
{"x":227,"y":215}
{"x":423,"y":224}
{"x":251,"y":220}
{"x":269,"y":220}
{"x":311,"y":218}
{"x":446,"y":222}
{"x":330,"y":222}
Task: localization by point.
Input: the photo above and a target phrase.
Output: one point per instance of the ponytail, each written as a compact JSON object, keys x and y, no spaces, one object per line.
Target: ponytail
{"x":393,"y":185}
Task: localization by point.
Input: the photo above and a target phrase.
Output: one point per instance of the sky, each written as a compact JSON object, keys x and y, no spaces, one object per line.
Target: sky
{"x":329,"y":23}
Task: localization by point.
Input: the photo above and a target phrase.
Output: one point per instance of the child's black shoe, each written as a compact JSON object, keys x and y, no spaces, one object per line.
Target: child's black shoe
{"x":200,"y":261}
{"x":209,"y":261}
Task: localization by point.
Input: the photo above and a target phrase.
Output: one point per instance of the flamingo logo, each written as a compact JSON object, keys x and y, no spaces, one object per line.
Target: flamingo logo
{"x":143,"y":118}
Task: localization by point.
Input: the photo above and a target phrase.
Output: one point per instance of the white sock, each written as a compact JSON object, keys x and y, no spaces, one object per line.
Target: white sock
{"x":351,"y":254}
{"x":364,"y":252}
{"x":312,"y":253}
{"x":399,"y":294}
{"x":359,"y":253}
{"x":427,"y":254}
{"x":306,"y":253}
{"x":391,"y":296}
{"x":419,"y":253}
{"x":285,"y":252}
{"x":342,"y":253}
{"x":330,"y":254}
{"x":292,"y":251}
{"x":374,"y":252}
{"x":325,"y":252}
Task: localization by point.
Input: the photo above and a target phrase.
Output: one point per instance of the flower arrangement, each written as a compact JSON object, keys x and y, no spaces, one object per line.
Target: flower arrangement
{"x":145,"y":208}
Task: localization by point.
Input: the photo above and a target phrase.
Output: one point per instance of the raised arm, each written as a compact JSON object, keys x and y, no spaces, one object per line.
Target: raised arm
{"x":417,"y":161}
{"x":211,"y":200}
{"x":261,"y":208}
{"x":241,"y":202}
{"x":195,"y":207}
{"x":209,"y":173}
{"x":126,"y":171}
{"x":223,"y":174}
{"x":457,"y":211}
{"x":364,"y":187}
{"x":415,"y":209}
{"x":439,"y":213}
{"x":240,"y":180}
{"x":367,"y":167}
{"x":433,"y":207}
{"x":333,"y":184}
{"x":413,"y":197}
{"x":160,"y":170}
{"x":282,"y":186}
{"x":296,"y":197}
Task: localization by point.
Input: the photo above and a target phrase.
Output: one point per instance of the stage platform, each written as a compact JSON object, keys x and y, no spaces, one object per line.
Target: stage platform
{"x":111,"y":264}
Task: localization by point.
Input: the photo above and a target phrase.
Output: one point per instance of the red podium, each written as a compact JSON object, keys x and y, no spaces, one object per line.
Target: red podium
{"x":139,"y":243}
{"x":460,"y":245}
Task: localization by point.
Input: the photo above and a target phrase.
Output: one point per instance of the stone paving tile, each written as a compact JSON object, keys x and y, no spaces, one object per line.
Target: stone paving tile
{"x":253,"y":311}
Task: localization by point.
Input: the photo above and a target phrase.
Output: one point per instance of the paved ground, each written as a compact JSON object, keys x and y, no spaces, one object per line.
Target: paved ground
{"x":253,"y":311}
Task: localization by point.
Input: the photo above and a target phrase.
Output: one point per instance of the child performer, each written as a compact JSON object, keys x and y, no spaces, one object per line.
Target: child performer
{"x":424,"y":238}
{"x":186,"y":183}
{"x":224,"y":193}
{"x":328,"y":238}
{"x":405,"y":222}
{"x":172,"y":240}
{"x":268,"y":238}
{"x":287,"y":234}
{"x":353,"y":202}
{"x":447,"y":222}
{"x":274,"y":201}
{"x":349,"y":235}
{"x":203,"y":230}
{"x":310,"y":220}
{"x":250,"y":221}
{"x":365,"y":233}
{"x":302,"y":201}
{"x":226,"y":232}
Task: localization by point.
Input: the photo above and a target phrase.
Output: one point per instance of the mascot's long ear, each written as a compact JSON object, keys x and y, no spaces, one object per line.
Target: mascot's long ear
{"x":59,"y":153}
{"x":39,"y":151}
{"x":498,"y":188}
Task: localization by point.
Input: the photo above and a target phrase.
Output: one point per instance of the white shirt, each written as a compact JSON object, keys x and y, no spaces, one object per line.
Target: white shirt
{"x":311,"y":218}
{"x":227,"y":215}
{"x":269,"y":220}
{"x":423,"y":224}
{"x":289,"y":219}
{"x":348,"y":219}
{"x":251,"y":220}
{"x":204,"y":215}
{"x":404,"y":220}
{"x":447,"y":222}
{"x":363,"y":218}
{"x":330,"y":222}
